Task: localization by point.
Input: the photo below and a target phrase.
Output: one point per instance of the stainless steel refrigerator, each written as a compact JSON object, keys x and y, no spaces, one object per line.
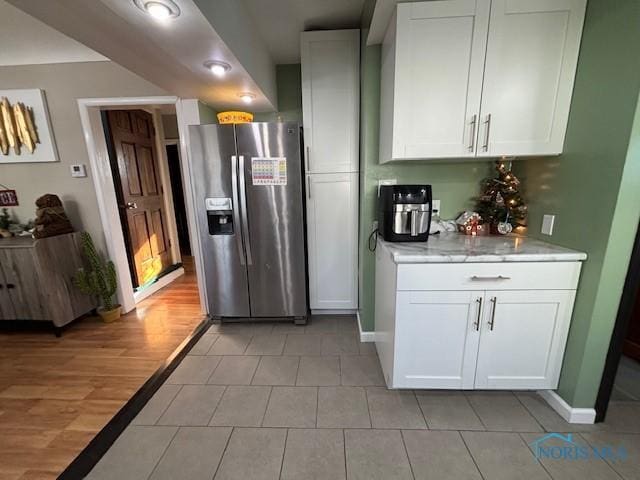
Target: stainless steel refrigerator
{"x":249,"y":201}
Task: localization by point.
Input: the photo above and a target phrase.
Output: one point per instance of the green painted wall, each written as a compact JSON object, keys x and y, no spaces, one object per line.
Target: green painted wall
{"x":207,"y":114}
{"x":453,"y":183}
{"x":593,"y":188}
{"x":289,"y":85}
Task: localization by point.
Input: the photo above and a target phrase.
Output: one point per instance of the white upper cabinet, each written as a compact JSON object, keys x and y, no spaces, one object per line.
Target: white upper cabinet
{"x":331,"y":100}
{"x":532,"y":55}
{"x":478,"y":78}
{"x":432,"y":79}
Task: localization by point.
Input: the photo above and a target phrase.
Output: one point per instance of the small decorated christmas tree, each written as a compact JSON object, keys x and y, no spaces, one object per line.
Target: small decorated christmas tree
{"x":500,"y":203}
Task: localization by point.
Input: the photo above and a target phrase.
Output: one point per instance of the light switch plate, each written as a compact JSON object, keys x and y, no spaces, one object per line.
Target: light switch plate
{"x":387,"y":181}
{"x":547,"y":224}
{"x":78,"y":171}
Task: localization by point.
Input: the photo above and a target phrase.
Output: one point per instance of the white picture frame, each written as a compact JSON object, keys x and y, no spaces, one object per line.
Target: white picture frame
{"x":46,"y":150}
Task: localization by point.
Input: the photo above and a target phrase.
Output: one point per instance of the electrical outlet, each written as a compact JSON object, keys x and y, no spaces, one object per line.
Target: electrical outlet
{"x":388,"y":181}
{"x":435,"y":208}
{"x":374,"y":225}
{"x":547,"y":224}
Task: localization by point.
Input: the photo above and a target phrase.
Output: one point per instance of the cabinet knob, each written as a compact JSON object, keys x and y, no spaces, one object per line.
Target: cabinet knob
{"x":10,"y":285}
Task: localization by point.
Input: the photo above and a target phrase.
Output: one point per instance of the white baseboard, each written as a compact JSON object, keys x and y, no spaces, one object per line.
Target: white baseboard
{"x":162,"y":282}
{"x":328,"y":311}
{"x":365,"y":336}
{"x":566,"y":411}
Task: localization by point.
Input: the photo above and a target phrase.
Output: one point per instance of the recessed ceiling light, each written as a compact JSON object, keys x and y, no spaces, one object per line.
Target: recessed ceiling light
{"x":247,"y":97}
{"x":217,"y":68}
{"x":158,"y":9}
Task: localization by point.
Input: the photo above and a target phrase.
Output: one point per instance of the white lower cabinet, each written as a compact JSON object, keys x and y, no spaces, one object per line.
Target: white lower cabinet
{"x":332,"y":238}
{"x":439,"y":329}
{"x":523,"y":337}
{"x":471,"y":338}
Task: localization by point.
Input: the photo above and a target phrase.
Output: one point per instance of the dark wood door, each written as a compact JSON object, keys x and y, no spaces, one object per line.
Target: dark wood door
{"x":141,"y":193}
{"x":631,"y":347}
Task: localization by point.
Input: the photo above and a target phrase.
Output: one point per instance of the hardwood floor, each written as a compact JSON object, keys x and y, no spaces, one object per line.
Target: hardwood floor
{"x":57,"y":393}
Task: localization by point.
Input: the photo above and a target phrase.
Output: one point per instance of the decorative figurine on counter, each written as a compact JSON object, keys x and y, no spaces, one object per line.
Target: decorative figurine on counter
{"x":470,"y":223}
{"x":51,"y":219}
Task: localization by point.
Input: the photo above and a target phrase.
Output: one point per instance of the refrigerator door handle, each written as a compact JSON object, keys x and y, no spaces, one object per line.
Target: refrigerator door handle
{"x":243,"y":202}
{"x":236,"y":207}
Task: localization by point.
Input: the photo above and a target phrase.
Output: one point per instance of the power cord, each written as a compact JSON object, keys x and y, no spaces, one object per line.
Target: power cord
{"x":374,"y":236}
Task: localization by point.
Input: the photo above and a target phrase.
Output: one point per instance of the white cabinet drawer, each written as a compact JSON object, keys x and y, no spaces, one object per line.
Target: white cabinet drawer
{"x":489,"y":276}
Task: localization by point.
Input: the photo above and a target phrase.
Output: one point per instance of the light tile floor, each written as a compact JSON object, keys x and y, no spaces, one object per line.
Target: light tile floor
{"x":275,"y":401}
{"x":627,"y":383}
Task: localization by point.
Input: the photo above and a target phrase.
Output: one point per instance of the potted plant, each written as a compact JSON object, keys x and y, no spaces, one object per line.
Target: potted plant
{"x":99,"y":279}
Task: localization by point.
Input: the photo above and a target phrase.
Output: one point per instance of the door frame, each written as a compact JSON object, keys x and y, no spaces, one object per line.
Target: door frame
{"x":625,"y":310}
{"x":187,"y":114}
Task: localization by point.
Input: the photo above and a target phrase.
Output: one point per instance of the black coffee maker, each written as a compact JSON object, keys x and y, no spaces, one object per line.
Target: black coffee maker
{"x":404,"y":212}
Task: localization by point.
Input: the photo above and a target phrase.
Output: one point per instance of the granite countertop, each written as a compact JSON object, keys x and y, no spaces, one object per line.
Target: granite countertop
{"x":459,"y":248}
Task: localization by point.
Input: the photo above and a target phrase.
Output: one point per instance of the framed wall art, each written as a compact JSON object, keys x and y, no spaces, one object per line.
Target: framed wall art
{"x":25,"y":128}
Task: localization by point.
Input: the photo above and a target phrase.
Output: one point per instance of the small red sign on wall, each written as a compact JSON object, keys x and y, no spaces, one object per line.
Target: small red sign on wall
{"x":8,"y":198}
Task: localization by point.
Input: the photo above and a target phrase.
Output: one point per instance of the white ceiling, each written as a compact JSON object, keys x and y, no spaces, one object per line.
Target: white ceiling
{"x":26,"y":41}
{"x":251,"y":35}
{"x":169,"y":54}
{"x":280,"y":22}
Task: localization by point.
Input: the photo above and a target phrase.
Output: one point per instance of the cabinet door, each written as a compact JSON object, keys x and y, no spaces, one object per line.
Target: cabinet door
{"x":523,"y":338}
{"x":438,"y":78}
{"x":332,"y":221}
{"x":436,"y":339}
{"x":331,"y":100}
{"x":22,"y":284}
{"x":7,"y":311}
{"x":532,"y":54}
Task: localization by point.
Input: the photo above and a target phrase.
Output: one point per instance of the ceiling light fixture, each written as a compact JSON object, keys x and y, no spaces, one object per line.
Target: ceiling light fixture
{"x":217,"y":68}
{"x":247,"y":97}
{"x":158,"y":9}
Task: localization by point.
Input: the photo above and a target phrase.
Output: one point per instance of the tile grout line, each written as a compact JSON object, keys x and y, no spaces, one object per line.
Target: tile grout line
{"x":164,"y":410}
{"x":366,"y":397}
{"x":218,"y":335}
{"x":464,"y":442}
{"x":466,"y":399}
{"x":344,"y":450}
{"x":255,"y":370}
{"x":317,"y":402}
{"x":224,"y":451}
{"x":284,"y":450}
{"x":604,"y":460}
{"x":530,"y":413}
{"x":406,"y":453}
{"x":424,"y":417}
{"x":164,"y":452}
{"x":266,"y":408}
{"x":475,"y":411}
{"x":215,"y":409}
{"x":221,"y":357}
{"x":295,"y":381}
{"x":526,"y":445}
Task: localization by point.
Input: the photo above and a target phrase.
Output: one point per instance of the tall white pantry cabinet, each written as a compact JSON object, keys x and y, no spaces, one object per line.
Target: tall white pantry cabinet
{"x":330,"y":105}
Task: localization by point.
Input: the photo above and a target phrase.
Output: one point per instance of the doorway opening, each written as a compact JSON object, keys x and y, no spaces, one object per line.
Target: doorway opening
{"x":619,"y":393}
{"x":145,"y":167}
